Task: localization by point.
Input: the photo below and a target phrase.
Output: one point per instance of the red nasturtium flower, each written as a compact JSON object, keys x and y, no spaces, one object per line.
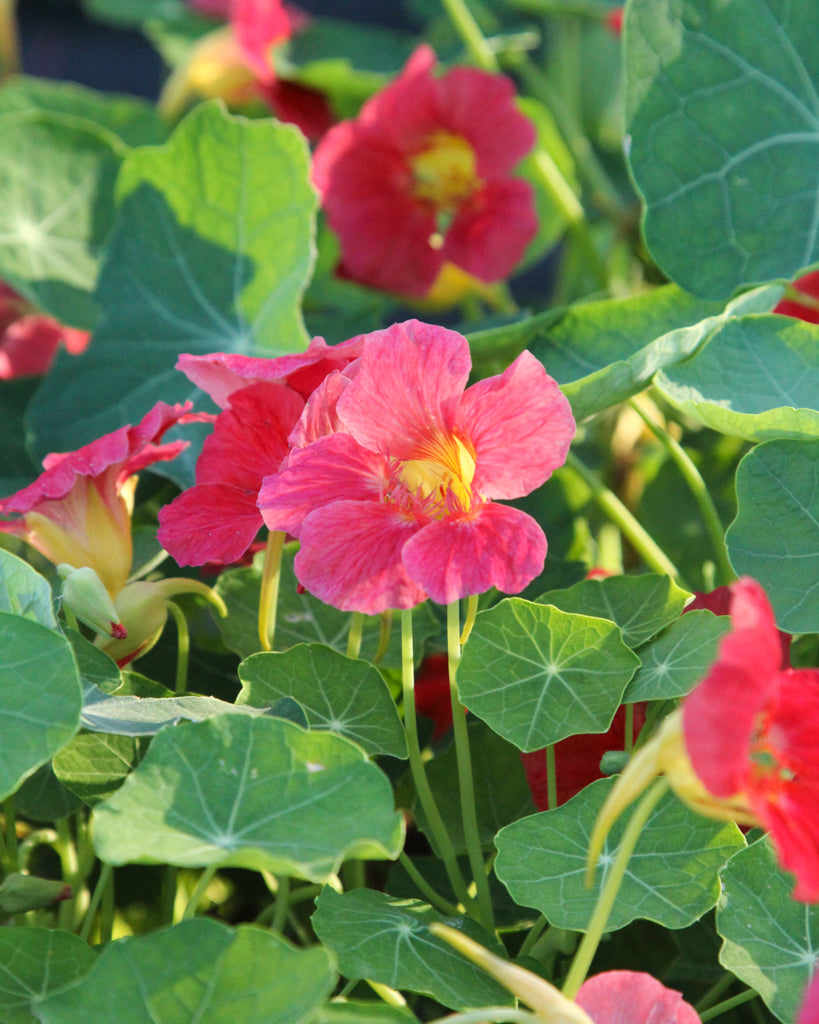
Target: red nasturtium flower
{"x":217,"y":519}
{"x":420,"y":184}
{"x":807,"y":310}
{"x":29,"y":340}
{"x":742,"y":746}
{"x":398,"y":503}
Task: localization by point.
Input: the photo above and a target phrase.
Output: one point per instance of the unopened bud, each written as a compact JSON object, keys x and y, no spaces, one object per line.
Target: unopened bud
{"x":85,"y":594}
{"x":20,"y":893}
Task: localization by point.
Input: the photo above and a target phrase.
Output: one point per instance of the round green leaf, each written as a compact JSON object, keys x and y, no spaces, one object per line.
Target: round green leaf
{"x":771,"y":941}
{"x":341,"y":695}
{"x":34,"y":963}
{"x":201,"y":971}
{"x":378,"y":936}
{"x":756,"y":377}
{"x":259,"y":793}
{"x":775,"y":536}
{"x":40,"y":698}
{"x":671,"y":878}
{"x":23,"y":591}
{"x":93,"y":765}
{"x":535,"y":674}
{"x":722,"y":116}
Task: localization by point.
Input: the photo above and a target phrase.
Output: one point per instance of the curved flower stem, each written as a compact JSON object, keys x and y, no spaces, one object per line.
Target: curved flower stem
{"x":628,"y":729}
{"x":535,"y":933}
{"x":384,"y":631}
{"x":469,"y":621}
{"x":103,"y":882}
{"x":464,"y":759}
{"x":10,"y":850}
{"x":611,"y":886}
{"x":434,"y":897}
{"x":468,"y":29}
{"x":269,"y":595}
{"x":433,"y":815}
{"x":729,"y":1004}
{"x":648,"y":549}
{"x":696,"y":485}
{"x":183,"y":646}
{"x":201,"y":888}
{"x":354,"y":635}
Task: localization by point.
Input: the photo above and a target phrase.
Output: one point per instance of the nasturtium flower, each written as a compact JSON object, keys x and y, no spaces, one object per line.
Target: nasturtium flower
{"x":743,"y":744}
{"x":803,"y":309}
{"x":420,"y":184}
{"x":29,"y":339}
{"x":399,"y":503}
{"x":217,"y":519}
{"x":809,"y":1010}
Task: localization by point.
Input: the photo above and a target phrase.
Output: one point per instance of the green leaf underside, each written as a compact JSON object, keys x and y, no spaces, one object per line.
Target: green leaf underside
{"x":210,"y":252}
{"x":198,"y":970}
{"x":723,"y":116}
{"x":770,"y":940}
{"x":378,"y":936}
{"x":536,"y":674}
{"x":248,"y":792}
{"x":676,"y":661}
{"x":756,"y":378}
{"x":338,"y":694}
{"x":775,"y":536}
{"x":35,"y":962}
{"x":40,"y":698}
{"x":93,"y":765}
{"x":671,"y":878}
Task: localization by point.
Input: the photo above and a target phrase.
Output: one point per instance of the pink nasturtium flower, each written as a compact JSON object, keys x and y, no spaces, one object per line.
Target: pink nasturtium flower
{"x":77,"y":514}
{"x":399,"y":502}
{"x":742,"y":746}
{"x":419,"y":187}
{"x":217,"y":519}
{"x":809,"y":1010}
{"x":29,"y":340}
{"x":802,"y":310}
{"x":235,"y":63}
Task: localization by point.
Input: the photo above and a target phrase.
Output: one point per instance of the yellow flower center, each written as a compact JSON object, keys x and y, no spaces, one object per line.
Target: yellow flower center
{"x":445,"y":175}
{"x":441,"y":476}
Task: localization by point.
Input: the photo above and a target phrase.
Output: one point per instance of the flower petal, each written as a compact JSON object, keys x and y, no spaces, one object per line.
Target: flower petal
{"x":209,"y":523}
{"x":632,"y":997}
{"x":497,"y":546}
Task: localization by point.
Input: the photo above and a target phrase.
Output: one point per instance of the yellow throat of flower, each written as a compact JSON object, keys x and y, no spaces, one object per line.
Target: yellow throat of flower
{"x":441,"y":476}
{"x":445,"y":174}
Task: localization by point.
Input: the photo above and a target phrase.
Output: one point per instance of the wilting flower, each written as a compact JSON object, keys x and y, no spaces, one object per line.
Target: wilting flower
{"x":235,"y":63}
{"x":29,"y":340}
{"x":217,"y":519}
{"x":807,"y":309}
{"x":399,"y":503}
{"x":78,"y":512}
{"x":420,"y":184}
{"x":742,"y":746}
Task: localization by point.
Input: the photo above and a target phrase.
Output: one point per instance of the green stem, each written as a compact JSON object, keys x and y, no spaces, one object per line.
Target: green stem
{"x":715,"y":992}
{"x":433,"y":815}
{"x":107,"y":913}
{"x":183,"y":646}
{"x":423,"y":885}
{"x":10,"y":852}
{"x":354,"y":635}
{"x":384,"y":631}
{"x":463,"y":757}
{"x":269,"y":594}
{"x":201,"y":888}
{"x":645,"y":545}
{"x":697,"y":486}
{"x":282,"y":906}
{"x":10,"y":63}
{"x":728,"y":1004}
{"x":102,"y":883}
{"x":551,"y":777}
{"x":611,"y":886}
{"x":628,"y":729}
{"x":535,"y":932}
{"x":168,"y":891}
{"x":469,"y":31}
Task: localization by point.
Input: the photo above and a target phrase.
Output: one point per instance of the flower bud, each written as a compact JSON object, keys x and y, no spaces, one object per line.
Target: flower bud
{"x":85,"y":595}
{"x":20,"y":893}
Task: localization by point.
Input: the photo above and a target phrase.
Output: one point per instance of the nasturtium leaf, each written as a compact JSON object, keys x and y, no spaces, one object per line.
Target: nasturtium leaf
{"x":199,"y":970}
{"x":56,"y":208}
{"x":640,"y":605}
{"x":775,"y":536}
{"x":756,"y":378}
{"x":535,"y":674}
{"x":97,"y":669}
{"x":211,"y":250}
{"x":353,"y":1011}
{"x":43,"y":797}
{"x":135,"y":121}
{"x":259,"y":793}
{"x":126,"y":715}
{"x":40,"y":698}
{"x":303,"y":619}
{"x":721,"y":114}
{"x":93,"y":765}
{"x":502,"y":793}
{"x":17,"y":468}
{"x":770,"y":940}
{"x":35,"y":962}
{"x":676,"y":661}
{"x":23,"y":591}
{"x":671,"y":878}
{"x":377,"y":936}
{"x":133,"y":13}
{"x":338,"y":694}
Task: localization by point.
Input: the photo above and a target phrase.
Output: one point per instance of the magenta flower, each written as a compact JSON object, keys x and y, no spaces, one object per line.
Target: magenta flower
{"x":399,"y":503}
{"x":29,"y":340}
{"x":631,"y":997}
{"x":809,"y":1011}
{"x":421,"y":181}
{"x":218,"y":518}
